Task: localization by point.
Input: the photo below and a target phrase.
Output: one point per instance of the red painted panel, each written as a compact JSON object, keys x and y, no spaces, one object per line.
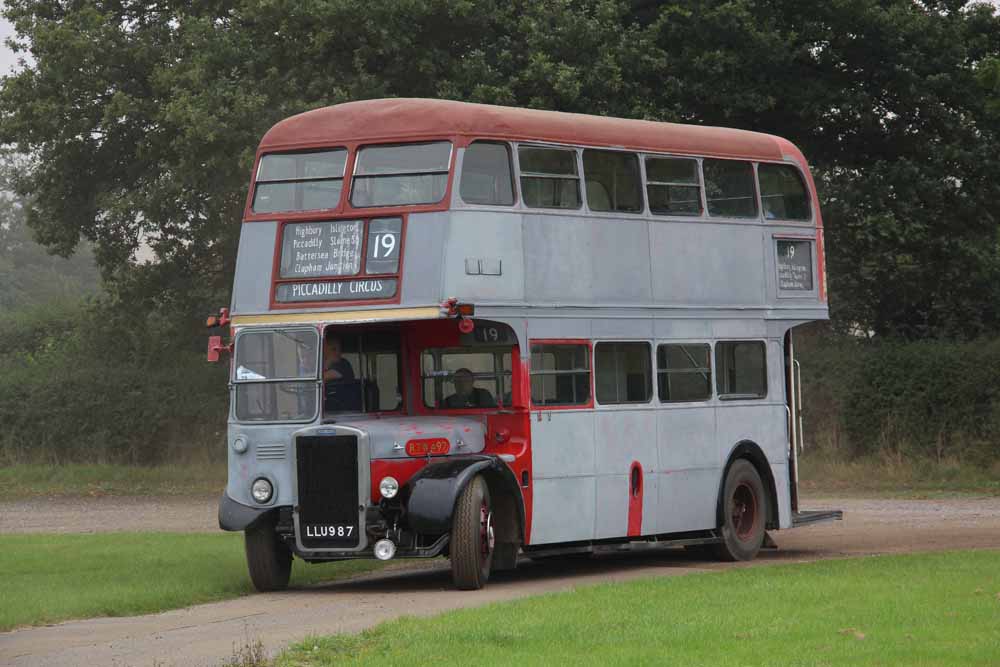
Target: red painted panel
{"x":401,"y":469}
{"x":635,"y":484}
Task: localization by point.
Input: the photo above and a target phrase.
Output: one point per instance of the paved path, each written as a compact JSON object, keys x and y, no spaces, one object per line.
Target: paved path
{"x":206,"y":634}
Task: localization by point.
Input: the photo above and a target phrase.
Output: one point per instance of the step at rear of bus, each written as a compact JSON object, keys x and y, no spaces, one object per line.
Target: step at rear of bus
{"x":808,"y":517}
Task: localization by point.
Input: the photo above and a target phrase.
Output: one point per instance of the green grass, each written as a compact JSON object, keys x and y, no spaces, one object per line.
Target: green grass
{"x":912,"y":611}
{"x":823,"y":474}
{"x":48,"y":578}
{"x":26,"y":481}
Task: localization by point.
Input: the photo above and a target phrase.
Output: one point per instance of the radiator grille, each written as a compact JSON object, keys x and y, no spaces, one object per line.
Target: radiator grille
{"x":328,"y":491}
{"x":274,"y":452}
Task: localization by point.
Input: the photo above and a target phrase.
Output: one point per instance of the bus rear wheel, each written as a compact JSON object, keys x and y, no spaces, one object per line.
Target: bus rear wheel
{"x":744,"y":510}
{"x":472,"y":536}
{"x":269,"y":560}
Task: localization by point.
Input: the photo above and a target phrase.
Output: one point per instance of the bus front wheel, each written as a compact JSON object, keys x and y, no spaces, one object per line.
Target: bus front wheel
{"x":472,"y":536}
{"x":744,"y":508}
{"x":268,"y":559}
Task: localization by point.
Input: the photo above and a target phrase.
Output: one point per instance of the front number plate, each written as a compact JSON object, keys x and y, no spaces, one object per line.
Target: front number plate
{"x":330,"y":531}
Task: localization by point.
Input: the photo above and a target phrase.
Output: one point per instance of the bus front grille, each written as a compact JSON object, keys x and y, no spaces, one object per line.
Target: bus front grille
{"x":328,"y":515}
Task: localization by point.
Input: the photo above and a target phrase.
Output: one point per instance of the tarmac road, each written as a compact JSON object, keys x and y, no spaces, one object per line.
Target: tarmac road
{"x":207,"y":634}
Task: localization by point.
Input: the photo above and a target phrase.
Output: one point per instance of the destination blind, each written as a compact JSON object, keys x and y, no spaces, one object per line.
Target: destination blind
{"x":335,"y":249}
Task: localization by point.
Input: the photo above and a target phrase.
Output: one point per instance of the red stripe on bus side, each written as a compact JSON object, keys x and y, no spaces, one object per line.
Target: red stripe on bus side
{"x":635,"y":501}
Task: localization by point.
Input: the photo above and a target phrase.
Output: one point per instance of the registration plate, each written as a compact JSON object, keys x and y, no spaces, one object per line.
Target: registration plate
{"x":330,"y":531}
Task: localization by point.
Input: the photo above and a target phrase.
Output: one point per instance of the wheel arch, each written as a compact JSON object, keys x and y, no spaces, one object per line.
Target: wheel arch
{"x":751,"y":451}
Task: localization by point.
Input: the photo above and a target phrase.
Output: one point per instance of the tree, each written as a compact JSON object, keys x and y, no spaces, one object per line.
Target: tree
{"x":142,"y":118}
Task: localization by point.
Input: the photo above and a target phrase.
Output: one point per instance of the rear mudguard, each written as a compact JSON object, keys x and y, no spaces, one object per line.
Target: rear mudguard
{"x":430,"y":495}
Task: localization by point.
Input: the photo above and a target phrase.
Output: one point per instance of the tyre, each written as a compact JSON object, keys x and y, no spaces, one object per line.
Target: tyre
{"x":268,"y":559}
{"x":744,"y":511}
{"x":472,"y":538}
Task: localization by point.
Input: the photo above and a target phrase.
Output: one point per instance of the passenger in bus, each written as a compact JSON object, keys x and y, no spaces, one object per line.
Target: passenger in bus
{"x":335,"y":366}
{"x":467,"y":395}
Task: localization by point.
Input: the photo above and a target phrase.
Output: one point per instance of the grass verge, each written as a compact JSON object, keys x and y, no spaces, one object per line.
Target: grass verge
{"x":27,"y":481}
{"x":48,"y":578}
{"x":920,"y":610}
{"x":821,"y":474}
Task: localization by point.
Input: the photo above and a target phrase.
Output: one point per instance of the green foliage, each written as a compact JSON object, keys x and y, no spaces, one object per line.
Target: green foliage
{"x":930,"y":610}
{"x":141,"y":118}
{"x":130,"y":573}
{"x":896,"y":400}
{"x":92,"y":384}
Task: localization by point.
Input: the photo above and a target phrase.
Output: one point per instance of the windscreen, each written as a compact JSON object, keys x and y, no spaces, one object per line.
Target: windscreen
{"x":274,"y":375}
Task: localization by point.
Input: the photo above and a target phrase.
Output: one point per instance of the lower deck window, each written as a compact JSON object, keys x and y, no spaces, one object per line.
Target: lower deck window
{"x":741,"y":369}
{"x":459,"y":378}
{"x":683,"y":373}
{"x":623,"y":373}
{"x":560,"y":374}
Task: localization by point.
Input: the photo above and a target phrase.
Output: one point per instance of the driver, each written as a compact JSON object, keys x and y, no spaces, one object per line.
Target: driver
{"x":336,"y":367}
{"x":466,"y":394}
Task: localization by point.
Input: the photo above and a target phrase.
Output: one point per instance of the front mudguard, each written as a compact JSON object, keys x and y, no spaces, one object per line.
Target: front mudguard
{"x":234,"y":516}
{"x":430,"y":495}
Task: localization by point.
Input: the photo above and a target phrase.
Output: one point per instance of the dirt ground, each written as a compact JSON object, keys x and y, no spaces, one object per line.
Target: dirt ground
{"x":207,"y":634}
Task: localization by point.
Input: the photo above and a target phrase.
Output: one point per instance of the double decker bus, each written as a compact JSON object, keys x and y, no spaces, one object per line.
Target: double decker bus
{"x":487,"y":332}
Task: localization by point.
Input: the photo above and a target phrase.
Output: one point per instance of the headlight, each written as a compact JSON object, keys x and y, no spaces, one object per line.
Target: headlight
{"x":388,"y":487}
{"x":261,"y":490}
{"x":239,"y":444}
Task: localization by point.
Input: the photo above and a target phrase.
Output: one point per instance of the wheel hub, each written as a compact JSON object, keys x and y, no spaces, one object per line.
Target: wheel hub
{"x":487,"y":539}
{"x":744,"y":511}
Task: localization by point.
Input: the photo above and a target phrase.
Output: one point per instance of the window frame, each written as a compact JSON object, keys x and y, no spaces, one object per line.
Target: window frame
{"x":581,"y":192}
{"x":641,"y":172}
{"x":499,"y":373}
{"x":711,"y":371}
{"x":589,"y":405}
{"x":702,"y":202}
{"x":344,"y":172}
{"x":753,"y":182}
{"x":649,"y":361}
{"x":448,"y":172}
{"x":719,"y":376}
{"x":315,"y":379}
{"x":805,"y":186}
{"x":514,"y":176}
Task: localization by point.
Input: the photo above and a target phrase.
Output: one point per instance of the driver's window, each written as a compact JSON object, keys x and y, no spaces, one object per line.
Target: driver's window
{"x":361,"y":371}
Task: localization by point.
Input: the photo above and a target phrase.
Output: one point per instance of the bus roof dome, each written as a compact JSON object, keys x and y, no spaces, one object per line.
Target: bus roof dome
{"x":414,"y":119}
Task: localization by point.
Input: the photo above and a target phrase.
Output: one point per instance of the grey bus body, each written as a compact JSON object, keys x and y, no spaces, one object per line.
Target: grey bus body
{"x":555,"y":275}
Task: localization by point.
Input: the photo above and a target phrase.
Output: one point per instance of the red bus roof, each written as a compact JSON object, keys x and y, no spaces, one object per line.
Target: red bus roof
{"x":409,"y":119}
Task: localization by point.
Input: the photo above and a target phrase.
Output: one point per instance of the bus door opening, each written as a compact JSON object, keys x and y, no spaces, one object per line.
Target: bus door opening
{"x":793,"y":394}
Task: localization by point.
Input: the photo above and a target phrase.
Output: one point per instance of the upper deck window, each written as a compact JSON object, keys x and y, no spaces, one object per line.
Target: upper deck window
{"x":672,"y":186}
{"x":401,"y":175}
{"x":487,"y":177}
{"x":549,"y":177}
{"x":729,"y":188}
{"x":299,"y":181}
{"x":782,"y":193}
{"x":612,"y":180}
